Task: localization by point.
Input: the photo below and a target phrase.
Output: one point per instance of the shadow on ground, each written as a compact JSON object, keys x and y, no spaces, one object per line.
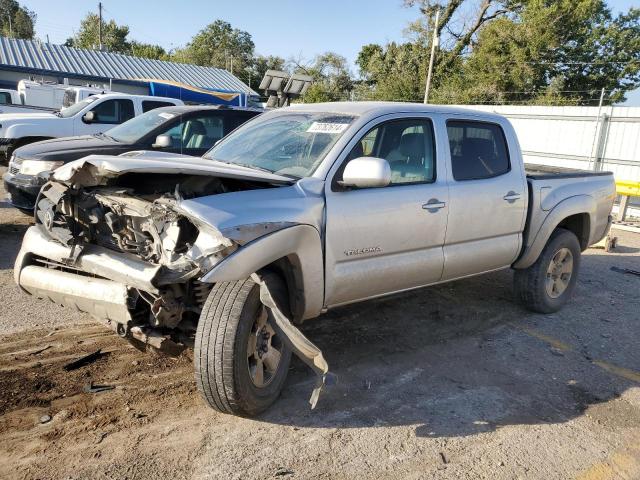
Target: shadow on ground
{"x":465,"y":358}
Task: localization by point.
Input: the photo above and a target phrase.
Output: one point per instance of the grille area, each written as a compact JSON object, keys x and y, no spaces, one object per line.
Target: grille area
{"x":14,"y":165}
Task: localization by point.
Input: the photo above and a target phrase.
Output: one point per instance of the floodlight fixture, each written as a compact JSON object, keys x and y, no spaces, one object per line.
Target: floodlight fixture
{"x":297,"y":85}
{"x":273,"y":81}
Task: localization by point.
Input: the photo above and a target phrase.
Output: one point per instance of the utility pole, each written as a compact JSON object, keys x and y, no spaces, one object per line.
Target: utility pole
{"x":597,"y":135}
{"x":434,"y":45}
{"x":10,"y":26}
{"x":100,"y":26}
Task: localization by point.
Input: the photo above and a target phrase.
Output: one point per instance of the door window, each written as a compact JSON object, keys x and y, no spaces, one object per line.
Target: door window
{"x":197,"y":133}
{"x":5,"y":98}
{"x":478,"y":150}
{"x":151,"y":104}
{"x":408,"y":146}
{"x":114,"y":111}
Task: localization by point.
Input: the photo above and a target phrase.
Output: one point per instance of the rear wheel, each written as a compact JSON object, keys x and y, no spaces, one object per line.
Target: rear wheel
{"x":547,"y":285}
{"x":241,"y":361}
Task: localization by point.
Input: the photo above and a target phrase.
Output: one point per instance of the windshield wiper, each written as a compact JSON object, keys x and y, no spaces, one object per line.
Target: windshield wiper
{"x":102,"y":134}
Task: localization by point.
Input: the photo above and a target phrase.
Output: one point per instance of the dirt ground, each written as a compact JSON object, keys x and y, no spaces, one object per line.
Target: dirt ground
{"x":454,"y":381}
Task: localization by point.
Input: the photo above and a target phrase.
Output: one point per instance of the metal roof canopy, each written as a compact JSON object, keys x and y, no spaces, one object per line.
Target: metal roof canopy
{"x":34,"y":56}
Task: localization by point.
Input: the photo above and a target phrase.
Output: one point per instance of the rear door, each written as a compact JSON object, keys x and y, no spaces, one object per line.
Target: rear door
{"x":383,"y":240}
{"x":487,"y":199}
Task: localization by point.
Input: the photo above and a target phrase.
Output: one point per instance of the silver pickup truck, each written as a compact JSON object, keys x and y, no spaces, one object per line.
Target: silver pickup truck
{"x":301,"y":210}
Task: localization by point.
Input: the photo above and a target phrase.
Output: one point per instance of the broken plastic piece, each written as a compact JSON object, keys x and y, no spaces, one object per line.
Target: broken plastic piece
{"x":301,"y":345}
{"x":82,"y":361}
{"x":625,"y":270}
{"x":91,"y":388}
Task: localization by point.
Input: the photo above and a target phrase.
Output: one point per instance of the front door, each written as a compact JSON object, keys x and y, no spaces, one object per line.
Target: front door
{"x":383,"y":240}
{"x":487,"y":200}
{"x":107,"y":114}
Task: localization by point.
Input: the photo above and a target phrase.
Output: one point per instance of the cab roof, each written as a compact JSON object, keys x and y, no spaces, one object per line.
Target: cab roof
{"x":383,"y":108}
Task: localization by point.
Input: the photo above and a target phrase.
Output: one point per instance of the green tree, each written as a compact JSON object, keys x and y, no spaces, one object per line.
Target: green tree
{"x":148,"y":50}
{"x":332,"y":80}
{"x":395,"y":72}
{"x":561,"y":52}
{"x":114,"y":36}
{"x":16,"y":21}
{"x":219,"y":45}
{"x":259,"y":66}
{"x":497,"y":51}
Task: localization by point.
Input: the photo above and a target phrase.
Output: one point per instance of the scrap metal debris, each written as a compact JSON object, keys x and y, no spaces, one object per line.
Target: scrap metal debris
{"x":283,"y":472}
{"x":40,"y":350}
{"x":91,"y":388}
{"x":82,"y":361}
{"x":626,"y":270}
{"x":299,"y":344}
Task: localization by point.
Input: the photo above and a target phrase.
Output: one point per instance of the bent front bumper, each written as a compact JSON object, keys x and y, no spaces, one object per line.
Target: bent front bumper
{"x":106,"y":298}
{"x":23,"y":189}
{"x":103,"y":299}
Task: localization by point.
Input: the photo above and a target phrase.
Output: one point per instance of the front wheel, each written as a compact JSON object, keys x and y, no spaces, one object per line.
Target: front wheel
{"x":547,"y":285}
{"x":241,"y":361}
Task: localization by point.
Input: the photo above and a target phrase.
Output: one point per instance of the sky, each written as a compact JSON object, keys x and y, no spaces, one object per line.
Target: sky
{"x":286,"y":28}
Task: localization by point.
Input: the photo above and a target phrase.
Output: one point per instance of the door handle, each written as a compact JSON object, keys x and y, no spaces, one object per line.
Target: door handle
{"x":511,"y":196}
{"x":433,"y":205}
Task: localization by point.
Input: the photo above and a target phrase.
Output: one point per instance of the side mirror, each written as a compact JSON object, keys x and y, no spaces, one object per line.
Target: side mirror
{"x":365,"y":172}
{"x":89,"y":117}
{"x":162,"y":141}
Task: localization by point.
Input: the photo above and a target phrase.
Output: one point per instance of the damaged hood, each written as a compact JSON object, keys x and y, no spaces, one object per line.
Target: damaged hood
{"x":96,"y":169}
{"x":300,"y":204}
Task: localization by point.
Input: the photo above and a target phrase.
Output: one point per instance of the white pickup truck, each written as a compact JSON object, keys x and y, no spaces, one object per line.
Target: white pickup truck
{"x":301,"y":210}
{"x":12,"y":102}
{"x":95,"y":114}
{"x":34,"y":97}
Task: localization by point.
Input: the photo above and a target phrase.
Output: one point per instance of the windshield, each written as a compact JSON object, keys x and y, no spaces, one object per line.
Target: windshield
{"x":76,"y":107}
{"x":291,"y":144}
{"x":133,"y":130}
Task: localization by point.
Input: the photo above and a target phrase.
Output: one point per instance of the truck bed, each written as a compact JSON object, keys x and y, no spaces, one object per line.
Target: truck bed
{"x":547,"y":172}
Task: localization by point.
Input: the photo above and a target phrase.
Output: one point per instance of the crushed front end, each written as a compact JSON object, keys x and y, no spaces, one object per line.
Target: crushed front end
{"x":128,"y":256}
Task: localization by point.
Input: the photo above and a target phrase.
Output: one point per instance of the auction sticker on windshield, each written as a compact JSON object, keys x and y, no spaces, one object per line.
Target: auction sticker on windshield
{"x":323,"y":127}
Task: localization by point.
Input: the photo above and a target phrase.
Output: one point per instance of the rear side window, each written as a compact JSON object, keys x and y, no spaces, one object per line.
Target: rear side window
{"x":151,"y":104}
{"x":478,"y":150}
{"x":5,"y":98}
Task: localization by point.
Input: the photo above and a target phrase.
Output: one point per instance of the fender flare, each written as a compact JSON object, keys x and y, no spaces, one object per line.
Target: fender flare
{"x":302,"y":242}
{"x":25,"y":129}
{"x":579,"y":204}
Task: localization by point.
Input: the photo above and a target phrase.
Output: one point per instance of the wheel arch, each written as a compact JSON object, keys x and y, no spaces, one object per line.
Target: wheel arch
{"x":574,"y":214}
{"x":295,"y":253}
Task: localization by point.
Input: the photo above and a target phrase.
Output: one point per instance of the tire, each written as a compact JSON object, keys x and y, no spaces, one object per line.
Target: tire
{"x":543,"y":287}
{"x":226,"y":375}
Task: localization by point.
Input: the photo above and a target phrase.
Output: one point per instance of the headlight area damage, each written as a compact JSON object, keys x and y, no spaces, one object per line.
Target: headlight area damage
{"x":132,"y":260}
{"x":119,"y":246}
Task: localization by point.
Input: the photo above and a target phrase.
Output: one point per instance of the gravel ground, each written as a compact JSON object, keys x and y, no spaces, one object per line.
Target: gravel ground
{"x":454,"y":381}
